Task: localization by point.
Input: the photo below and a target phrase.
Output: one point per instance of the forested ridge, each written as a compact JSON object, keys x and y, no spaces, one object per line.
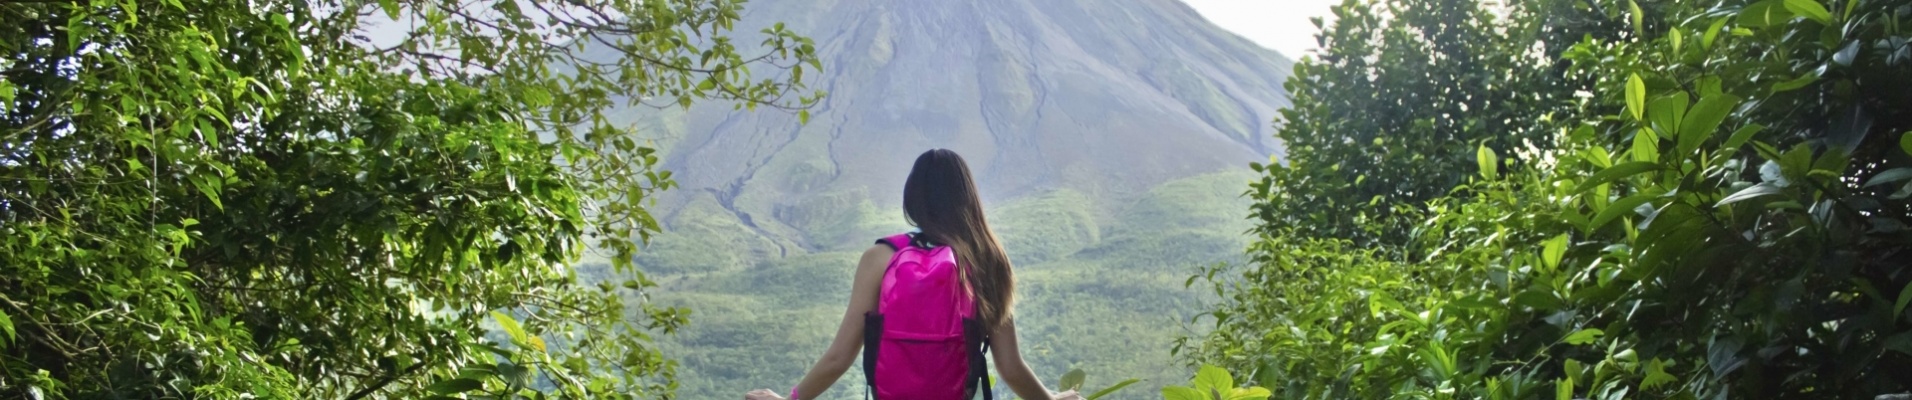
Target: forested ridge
{"x":1591,"y":199}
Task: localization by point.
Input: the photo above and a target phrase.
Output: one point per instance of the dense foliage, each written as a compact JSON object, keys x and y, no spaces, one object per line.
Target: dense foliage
{"x":218,"y":199}
{"x":1719,"y":212}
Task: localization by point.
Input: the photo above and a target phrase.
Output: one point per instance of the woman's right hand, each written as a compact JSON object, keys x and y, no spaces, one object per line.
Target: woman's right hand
{"x":1067,"y":395}
{"x":762,"y":394}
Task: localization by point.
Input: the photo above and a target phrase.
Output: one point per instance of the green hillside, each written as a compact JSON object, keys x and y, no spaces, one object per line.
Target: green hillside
{"x":1097,"y":132}
{"x":1100,"y":283}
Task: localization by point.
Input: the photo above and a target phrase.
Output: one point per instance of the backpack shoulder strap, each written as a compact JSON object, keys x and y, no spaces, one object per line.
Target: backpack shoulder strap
{"x":873,"y":320}
{"x":896,"y":242}
{"x":988,"y":393}
{"x":976,"y":343}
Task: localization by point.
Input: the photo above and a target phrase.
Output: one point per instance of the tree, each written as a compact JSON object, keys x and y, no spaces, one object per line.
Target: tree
{"x":1391,"y":107}
{"x":1723,"y":216}
{"x":227,"y":199}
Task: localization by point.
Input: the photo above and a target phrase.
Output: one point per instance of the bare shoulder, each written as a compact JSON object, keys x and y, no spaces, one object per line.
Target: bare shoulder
{"x":869,"y":270}
{"x":877,"y":256}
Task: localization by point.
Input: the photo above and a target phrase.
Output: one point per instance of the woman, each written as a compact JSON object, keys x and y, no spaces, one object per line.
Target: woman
{"x":953,"y":263}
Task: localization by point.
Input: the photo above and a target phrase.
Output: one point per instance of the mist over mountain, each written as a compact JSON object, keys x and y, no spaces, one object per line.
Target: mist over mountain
{"x":1109,"y":98}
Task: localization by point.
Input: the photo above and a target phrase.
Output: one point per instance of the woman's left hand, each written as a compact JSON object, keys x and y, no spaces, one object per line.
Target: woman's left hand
{"x":762,"y":394}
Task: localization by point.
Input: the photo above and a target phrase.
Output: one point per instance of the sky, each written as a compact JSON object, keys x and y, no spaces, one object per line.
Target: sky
{"x":1276,"y":24}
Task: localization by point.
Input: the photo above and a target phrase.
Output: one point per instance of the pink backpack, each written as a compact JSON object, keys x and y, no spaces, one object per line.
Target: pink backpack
{"x":923,"y":341}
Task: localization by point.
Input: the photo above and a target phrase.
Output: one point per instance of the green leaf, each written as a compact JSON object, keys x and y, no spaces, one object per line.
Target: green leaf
{"x":1616,"y":173}
{"x":1583,"y":337}
{"x":1901,"y":343}
{"x":514,"y":374}
{"x":1636,"y":97}
{"x":1637,"y":17}
{"x":1811,"y":9}
{"x":1678,"y":40}
{"x":1797,"y":162}
{"x":1722,"y":355}
{"x":1573,"y":369}
{"x":1712,"y":33}
{"x":6,"y":324}
{"x":1764,"y":14}
{"x":1111,"y":389}
{"x":391,"y":8}
{"x":208,"y":133}
{"x":1489,"y":162}
{"x":510,"y":326}
{"x":1710,"y":85}
{"x":1597,"y":156}
{"x":1540,"y":299}
{"x":1905,"y":142}
{"x":1760,"y":190}
{"x":1072,"y":380}
{"x":1704,"y":120}
{"x":1656,"y":375}
{"x":1182,"y":393}
{"x":1666,"y":112}
{"x":1898,"y":306}
{"x":1213,"y":378}
{"x":209,"y":186}
{"x":1554,"y":249}
{"x":1646,"y":146}
{"x":455,"y":386}
{"x":1795,"y":83}
{"x":1889,"y":176}
{"x":1253,"y":393}
{"x":1437,"y":360}
{"x":1742,"y":135}
{"x":1563,"y":389}
{"x":1619,"y":207}
{"x":577,"y":364}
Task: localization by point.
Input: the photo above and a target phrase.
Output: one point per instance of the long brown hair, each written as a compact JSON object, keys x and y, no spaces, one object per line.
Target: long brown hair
{"x":941,"y":199}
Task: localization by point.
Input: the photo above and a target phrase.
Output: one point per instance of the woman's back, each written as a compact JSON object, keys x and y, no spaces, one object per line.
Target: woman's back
{"x":923,"y":315}
{"x":923,"y":335}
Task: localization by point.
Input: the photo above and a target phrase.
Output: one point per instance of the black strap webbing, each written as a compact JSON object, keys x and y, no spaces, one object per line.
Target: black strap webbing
{"x":989,"y":392}
{"x":872,"y":338}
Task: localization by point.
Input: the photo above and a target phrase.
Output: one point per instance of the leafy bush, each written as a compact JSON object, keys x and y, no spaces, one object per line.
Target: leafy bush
{"x":1721,"y":215}
{"x":1213,"y":383}
{"x":245,"y":199}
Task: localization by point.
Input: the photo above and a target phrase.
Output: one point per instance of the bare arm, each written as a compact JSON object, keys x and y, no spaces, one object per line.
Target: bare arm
{"x":849,"y":337}
{"x":1009,"y":365}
